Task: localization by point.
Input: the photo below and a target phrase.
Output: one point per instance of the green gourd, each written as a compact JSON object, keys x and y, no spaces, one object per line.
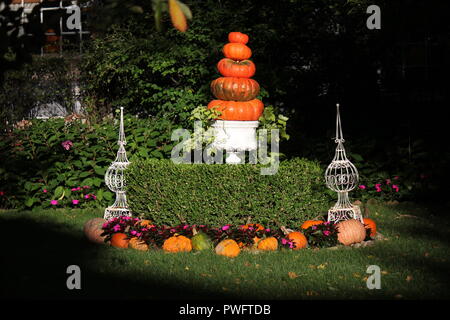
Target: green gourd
{"x":201,"y":241}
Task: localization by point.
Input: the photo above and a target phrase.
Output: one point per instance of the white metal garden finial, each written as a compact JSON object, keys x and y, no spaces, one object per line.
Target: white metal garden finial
{"x":342,"y":177}
{"x":115,"y":178}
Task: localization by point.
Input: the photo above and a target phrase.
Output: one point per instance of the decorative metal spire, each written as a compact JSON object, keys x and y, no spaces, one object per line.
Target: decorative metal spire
{"x":115,"y":178}
{"x":342,"y":177}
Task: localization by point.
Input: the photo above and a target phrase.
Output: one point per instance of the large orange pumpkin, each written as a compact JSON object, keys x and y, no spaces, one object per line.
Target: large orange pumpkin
{"x":241,"y":69}
{"x":228,"y":248}
{"x":93,"y":229}
{"x":137,"y":244}
{"x":309,"y":223}
{"x":237,"y":89}
{"x":119,"y":240}
{"x":370,"y":224}
{"x":177,"y":244}
{"x":238,"y":110}
{"x":237,"y":51}
{"x":298,"y":239}
{"x":268,"y":244}
{"x":238,"y":37}
{"x":351,"y":231}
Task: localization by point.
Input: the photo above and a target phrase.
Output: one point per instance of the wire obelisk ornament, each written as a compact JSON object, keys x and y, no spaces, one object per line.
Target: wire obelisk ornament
{"x":115,"y":179}
{"x":342,"y":177}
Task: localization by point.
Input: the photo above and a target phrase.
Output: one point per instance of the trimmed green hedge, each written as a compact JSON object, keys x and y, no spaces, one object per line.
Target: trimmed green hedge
{"x":218,"y":194}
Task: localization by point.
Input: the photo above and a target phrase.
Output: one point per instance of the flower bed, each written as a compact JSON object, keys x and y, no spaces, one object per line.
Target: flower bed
{"x":141,"y":234}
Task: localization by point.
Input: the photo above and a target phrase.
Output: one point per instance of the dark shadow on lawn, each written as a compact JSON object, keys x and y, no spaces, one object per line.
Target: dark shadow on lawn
{"x":35,"y":258}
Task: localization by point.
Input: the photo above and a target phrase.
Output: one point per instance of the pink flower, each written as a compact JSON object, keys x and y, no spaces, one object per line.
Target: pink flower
{"x":185,"y":227}
{"x":388,"y":181}
{"x":326,"y":233}
{"x":396,"y":178}
{"x":226,"y":227}
{"x":54,"y":202}
{"x":133,"y":232}
{"x":75,"y":201}
{"x":314,"y":227}
{"x":87,"y":196}
{"x":173,"y":230}
{"x":2,"y":193}
{"x":85,"y":187}
{"x":44,"y":191}
{"x":138,"y":234}
{"x":94,"y":197}
{"x":117,"y":227}
{"x":67,"y":144}
{"x":327,"y":223}
{"x":362,"y":187}
{"x":394,"y":186}
{"x":105,"y":225}
{"x":73,"y":189}
{"x":267,"y":230}
{"x":378,"y":187}
{"x":284,"y":241}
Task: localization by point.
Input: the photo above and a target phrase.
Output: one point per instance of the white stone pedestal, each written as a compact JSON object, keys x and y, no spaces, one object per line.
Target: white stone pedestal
{"x":234,"y":137}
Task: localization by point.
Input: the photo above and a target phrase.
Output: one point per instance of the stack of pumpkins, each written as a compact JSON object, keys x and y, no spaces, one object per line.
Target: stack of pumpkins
{"x":236,"y":92}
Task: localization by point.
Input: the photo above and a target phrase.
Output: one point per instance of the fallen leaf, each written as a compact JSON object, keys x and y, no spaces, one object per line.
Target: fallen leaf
{"x":312,"y":293}
{"x":247,"y":264}
{"x":186,"y":268}
{"x":257,"y":265}
{"x":205,"y":275}
{"x":322,"y":266}
{"x":384,"y":272}
{"x":292,"y":275}
{"x":357,"y":275}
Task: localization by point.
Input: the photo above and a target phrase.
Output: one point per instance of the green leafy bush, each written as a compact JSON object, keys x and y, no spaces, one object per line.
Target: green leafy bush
{"x":219,"y":194}
{"x":57,"y":156}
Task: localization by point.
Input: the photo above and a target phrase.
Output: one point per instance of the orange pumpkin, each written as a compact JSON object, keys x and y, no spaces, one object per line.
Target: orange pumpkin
{"x":238,"y":110}
{"x":298,"y":239}
{"x":228,"y":248}
{"x":119,"y":240}
{"x":238,"y":37}
{"x":309,"y":223}
{"x":237,"y":51}
{"x":237,"y":89}
{"x":177,"y":244}
{"x":93,"y":229}
{"x":241,"y":69}
{"x":268,"y":244}
{"x":351,"y":231}
{"x":137,"y":244}
{"x":370,"y":224}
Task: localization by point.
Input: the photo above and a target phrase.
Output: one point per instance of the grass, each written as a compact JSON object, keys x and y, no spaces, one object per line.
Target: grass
{"x":39,"y":246}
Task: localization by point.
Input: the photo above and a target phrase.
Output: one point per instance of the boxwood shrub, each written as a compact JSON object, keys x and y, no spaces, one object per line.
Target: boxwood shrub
{"x":220,"y":194}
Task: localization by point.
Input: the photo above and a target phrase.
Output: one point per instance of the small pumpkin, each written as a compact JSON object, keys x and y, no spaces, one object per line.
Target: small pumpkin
{"x":137,"y":244}
{"x":119,"y":240}
{"x":351,"y":231}
{"x":241,"y":69}
{"x":310,"y":223}
{"x":237,"y":89}
{"x":228,"y":248}
{"x":177,"y":244}
{"x":238,"y":110}
{"x":201,"y":241}
{"x":238,"y":37}
{"x":298,"y":239}
{"x":93,"y":229}
{"x":268,"y":244}
{"x":370,"y":224}
{"x":237,"y":51}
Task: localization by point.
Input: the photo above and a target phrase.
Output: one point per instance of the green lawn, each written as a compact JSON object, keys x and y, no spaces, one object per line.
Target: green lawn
{"x":39,"y":246}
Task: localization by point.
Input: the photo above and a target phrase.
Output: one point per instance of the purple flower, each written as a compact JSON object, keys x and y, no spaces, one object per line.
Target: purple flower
{"x":75,"y":201}
{"x":117,"y":227}
{"x":87,"y":196}
{"x":284,"y":241}
{"x":362,"y":187}
{"x":54,"y":202}
{"x":44,"y":191}
{"x":226,"y":227}
{"x":133,"y":232}
{"x":73,"y":189}
{"x":67,"y":144}
{"x":394,"y":186}
{"x":267,"y":230}
{"x":326,"y":233}
{"x":378,"y":187}
{"x":327,"y":223}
